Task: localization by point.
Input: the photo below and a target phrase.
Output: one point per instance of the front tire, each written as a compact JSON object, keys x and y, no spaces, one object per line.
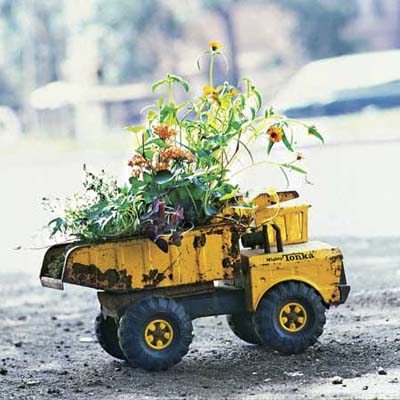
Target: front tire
{"x":106,"y":330}
{"x":290,"y":317}
{"x":243,"y":327}
{"x":155,"y":333}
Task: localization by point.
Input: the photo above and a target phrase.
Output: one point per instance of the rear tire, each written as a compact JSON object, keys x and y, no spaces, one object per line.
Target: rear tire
{"x":107,"y":335}
{"x":290,"y":317}
{"x":155,"y":333}
{"x":243,"y":327}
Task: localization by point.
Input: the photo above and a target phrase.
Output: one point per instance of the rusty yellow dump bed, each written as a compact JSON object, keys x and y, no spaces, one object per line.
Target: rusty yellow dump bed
{"x":206,"y":254}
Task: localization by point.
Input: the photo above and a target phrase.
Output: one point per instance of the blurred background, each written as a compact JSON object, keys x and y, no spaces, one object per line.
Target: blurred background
{"x":72,"y":74}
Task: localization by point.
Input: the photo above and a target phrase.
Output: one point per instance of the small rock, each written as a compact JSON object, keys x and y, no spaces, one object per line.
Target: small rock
{"x":394,"y":380}
{"x":3,"y":371}
{"x":294,"y":374}
{"x":365,"y":387}
{"x":32,"y":383}
{"x":53,"y":391}
{"x":381,"y":371}
{"x":86,"y":340}
{"x":337,"y":380}
{"x":18,"y":344}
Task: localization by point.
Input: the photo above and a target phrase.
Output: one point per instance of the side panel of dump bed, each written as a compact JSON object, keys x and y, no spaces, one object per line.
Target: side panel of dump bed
{"x":204,"y":255}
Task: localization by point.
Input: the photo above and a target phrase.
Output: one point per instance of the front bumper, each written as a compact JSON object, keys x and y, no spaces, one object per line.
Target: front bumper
{"x":344,"y":287}
{"x":344,"y":291}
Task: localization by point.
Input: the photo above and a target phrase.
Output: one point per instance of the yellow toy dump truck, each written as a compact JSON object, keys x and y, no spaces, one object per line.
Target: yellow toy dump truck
{"x":274,"y":288}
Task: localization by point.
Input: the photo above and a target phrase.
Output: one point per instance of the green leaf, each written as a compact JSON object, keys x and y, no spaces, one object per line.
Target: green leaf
{"x":294,"y":168}
{"x":312,"y":130}
{"x":156,"y":85}
{"x":160,"y":102}
{"x":236,"y":125}
{"x":286,"y":142}
{"x":135,"y":129}
{"x":259,"y":98}
{"x":248,"y":150}
{"x":225,"y":101}
{"x":147,"y":178}
{"x":269,"y":112}
{"x":270,"y":145}
{"x":178,"y":79}
{"x":162,"y":177}
{"x":229,"y":195}
{"x":151,"y":115}
{"x":210,"y":211}
{"x":57,"y":225}
{"x":242,"y":100}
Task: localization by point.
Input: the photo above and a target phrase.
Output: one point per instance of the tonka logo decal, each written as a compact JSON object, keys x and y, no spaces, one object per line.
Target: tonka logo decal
{"x":297,"y":256}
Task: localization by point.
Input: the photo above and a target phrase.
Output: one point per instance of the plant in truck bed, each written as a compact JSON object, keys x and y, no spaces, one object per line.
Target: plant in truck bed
{"x":180,"y":171}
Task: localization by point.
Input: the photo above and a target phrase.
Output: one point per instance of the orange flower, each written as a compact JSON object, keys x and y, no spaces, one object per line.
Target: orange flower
{"x":177,"y":153}
{"x":275,"y":133}
{"x":136,"y":171}
{"x":161,"y":166}
{"x":234,"y":92}
{"x":164,"y":132}
{"x":214,"y":46}
{"x":138,"y":160}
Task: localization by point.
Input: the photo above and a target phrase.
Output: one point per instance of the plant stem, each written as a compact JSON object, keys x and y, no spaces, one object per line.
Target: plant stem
{"x":193,"y":201}
{"x":170,"y":93}
{"x":211,"y":70}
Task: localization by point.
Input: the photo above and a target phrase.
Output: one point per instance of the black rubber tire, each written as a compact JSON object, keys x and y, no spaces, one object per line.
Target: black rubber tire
{"x":243,"y":327}
{"x":132,"y":326}
{"x":107,"y":335}
{"x":268,"y":327}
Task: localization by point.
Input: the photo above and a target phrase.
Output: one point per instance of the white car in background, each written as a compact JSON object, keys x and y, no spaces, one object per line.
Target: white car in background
{"x":343,"y":85}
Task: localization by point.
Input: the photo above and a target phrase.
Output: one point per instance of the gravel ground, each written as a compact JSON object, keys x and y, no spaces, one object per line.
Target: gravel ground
{"x":48,"y":349}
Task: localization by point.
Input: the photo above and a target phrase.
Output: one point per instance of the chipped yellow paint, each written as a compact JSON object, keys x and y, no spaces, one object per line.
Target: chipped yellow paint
{"x":315,"y":263}
{"x":206,"y":254}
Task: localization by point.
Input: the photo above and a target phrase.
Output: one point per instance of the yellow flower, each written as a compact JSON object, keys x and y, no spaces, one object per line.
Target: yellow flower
{"x":214,"y":46}
{"x":275,"y":133}
{"x":210,"y":91}
{"x":207,"y":90}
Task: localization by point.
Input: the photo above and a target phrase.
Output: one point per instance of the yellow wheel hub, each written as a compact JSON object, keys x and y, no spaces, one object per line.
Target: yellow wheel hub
{"x":158,"y":334}
{"x":293,"y":317}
